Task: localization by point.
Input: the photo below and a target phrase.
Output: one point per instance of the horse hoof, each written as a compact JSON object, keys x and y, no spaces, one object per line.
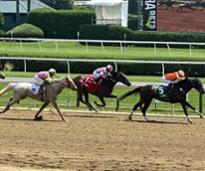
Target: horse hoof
{"x":189,"y":121}
{"x":201,"y":116}
{"x":129,"y":118}
{"x":39,"y":118}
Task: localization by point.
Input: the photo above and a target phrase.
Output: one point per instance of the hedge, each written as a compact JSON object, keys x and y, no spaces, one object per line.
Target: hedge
{"x":26,"y":30}
{"x":2,"y":33}
{"x":111,"y":32}
{"x":133,"y":22}
{"x":60,"y":24}
{"x":88,"y":67}
{"x":103,"y":32}
{"x":1,"y":19}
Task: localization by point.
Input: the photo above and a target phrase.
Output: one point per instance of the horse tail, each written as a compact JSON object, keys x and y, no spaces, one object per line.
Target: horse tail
{"x":9,"y":87}
{"x":136,"y":90}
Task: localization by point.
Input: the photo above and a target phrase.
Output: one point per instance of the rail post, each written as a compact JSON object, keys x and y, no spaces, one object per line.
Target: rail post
{"x":25,"y":66}
{"x":200,"y":103}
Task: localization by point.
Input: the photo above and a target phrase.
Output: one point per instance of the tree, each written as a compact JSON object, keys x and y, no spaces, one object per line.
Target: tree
{"x":59,"y":4}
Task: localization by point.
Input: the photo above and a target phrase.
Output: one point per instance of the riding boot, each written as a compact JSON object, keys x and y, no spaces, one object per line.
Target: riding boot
{"x":96,"y":81}
{"x":42,"y":91}
{"x":169,"y":88}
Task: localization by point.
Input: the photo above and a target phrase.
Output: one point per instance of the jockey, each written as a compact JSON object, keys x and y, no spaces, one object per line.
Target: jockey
{"x":43,"y":77}
{"x":171,"y":78}
{"x":102,"y":73}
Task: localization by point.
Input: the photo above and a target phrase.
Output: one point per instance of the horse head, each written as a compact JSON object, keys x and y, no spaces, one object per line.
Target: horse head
{"x":197,"y":84}
{"x":119,"y":76}
{"x":70,"y":83}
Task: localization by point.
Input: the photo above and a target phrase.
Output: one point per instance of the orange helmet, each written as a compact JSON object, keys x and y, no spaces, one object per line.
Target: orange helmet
{"x":109,"y":68}
{"x":181,"y":73}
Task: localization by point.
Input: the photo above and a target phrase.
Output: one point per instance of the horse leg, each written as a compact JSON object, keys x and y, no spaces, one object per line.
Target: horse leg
{"x":40,"y":110}
{"x":58,"y":110}
{"x":111,"y":96}
{"x":102,"y":101}
{"x":88,"y":103}
{"x":144,"y":109}
{"x":9,"y":104}
{"x":183,"y":104}
{"x":117,"y":104}
{"x":193,"y":108}
{"x":79,"y":97}
{"x":133,"y":109}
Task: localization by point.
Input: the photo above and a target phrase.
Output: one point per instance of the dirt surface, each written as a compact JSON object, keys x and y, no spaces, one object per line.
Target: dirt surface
{"x":180,"y":21}
{"x":100,"y":142}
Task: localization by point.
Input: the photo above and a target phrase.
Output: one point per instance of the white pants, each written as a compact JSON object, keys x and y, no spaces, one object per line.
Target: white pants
{"x":165,"y":80}
{"x":96,"y":75}
{"x":38,"y":80}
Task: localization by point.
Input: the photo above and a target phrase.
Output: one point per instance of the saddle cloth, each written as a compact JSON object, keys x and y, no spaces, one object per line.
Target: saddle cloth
{"x":90,"y":85}
{"x":35,"y":88}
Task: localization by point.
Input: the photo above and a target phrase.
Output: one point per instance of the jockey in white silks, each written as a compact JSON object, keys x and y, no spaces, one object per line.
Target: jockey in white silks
{"x":102,"y":73}
{"x":40,"y":78}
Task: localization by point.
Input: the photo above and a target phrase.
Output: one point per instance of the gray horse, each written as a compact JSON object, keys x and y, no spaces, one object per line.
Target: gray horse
{"x":23,"y":90}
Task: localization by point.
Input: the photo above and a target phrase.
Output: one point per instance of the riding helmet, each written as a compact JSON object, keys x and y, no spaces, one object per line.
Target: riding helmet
{"x":181,"y":73}
{"x":52,"y":71}
{"x":109,"y":68}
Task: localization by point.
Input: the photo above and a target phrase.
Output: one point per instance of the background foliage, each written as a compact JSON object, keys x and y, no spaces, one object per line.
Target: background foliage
{"x":26,"y":30}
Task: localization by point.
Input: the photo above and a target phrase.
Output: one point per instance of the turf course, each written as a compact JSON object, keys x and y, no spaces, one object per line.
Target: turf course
{"x":76,"y":50}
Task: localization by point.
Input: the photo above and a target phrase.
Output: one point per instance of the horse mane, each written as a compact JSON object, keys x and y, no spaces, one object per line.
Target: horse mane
{"x":115,"y":73}
{"x":186,"y":80}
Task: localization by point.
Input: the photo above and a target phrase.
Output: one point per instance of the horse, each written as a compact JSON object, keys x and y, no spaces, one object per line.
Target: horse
{"x":24,"y":90}
{"x":177,"y":95}
{"x":101,"y":91}
{"x":187,"y":5}
{"x":167,"y":3}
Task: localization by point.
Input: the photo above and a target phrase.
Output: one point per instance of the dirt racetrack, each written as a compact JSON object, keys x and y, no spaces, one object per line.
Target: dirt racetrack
{"x":100,"y":142}
{"x":186,"y":21}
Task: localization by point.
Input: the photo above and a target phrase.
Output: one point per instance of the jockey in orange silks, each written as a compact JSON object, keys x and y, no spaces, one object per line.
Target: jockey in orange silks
{"x":170,"y":78}
{"x":173,"y":76}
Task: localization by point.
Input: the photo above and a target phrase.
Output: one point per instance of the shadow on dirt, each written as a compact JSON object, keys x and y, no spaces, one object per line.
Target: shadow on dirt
{"x":160,"y":122}
{"x":31,"y":120}
{"x":91,"y":116}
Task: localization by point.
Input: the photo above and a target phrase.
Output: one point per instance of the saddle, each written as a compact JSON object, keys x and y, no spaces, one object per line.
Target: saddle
{"x":165,"y":90}
{"x":38,"y":89}
{"x":35,"y":88}
{"x":90,"y":84}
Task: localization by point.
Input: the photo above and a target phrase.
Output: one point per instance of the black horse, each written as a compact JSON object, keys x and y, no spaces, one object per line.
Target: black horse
{"x":105,"y":89}
{"x":176,"y":95}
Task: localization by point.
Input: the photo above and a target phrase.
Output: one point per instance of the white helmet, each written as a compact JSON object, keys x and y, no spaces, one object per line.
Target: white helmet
{"x":52,"y":71}
{"x":109,"y":68}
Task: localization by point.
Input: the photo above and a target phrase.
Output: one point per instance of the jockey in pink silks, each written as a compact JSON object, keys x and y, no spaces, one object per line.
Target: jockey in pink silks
{"x":40,"y":79}
{"x":41,"y":76}
{"x":102,"y":73}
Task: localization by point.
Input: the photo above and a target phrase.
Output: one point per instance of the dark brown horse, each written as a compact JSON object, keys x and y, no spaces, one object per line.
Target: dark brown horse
{"x":177,"y":95}
{"x":105,"y":89}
